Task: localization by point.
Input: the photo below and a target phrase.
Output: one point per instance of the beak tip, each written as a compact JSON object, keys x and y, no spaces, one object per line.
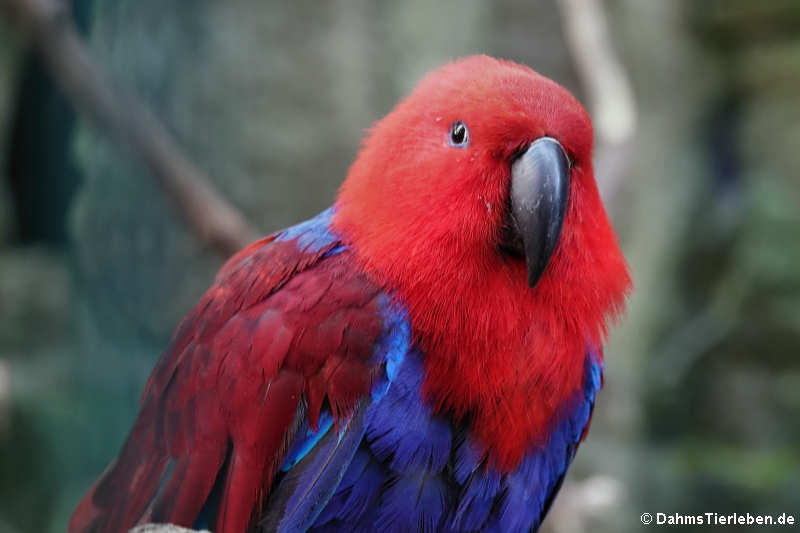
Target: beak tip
{"x":535,"y":271}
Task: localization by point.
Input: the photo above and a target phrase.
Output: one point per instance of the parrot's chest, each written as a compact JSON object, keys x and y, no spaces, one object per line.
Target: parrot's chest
{"x":417,"y":471}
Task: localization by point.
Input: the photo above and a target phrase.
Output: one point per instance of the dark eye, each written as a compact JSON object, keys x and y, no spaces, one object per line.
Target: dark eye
{"x":459,"y":134}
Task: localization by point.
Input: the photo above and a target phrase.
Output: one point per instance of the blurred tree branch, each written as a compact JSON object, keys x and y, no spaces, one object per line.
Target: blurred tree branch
{"x":50,"y":27}
{"x":608,"y":88}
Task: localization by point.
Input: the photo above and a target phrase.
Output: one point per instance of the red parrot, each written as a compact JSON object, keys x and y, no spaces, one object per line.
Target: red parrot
{"x":423,"y":355}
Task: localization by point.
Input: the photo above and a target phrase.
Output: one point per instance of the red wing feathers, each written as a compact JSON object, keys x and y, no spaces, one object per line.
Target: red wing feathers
{"x":271,"y":339}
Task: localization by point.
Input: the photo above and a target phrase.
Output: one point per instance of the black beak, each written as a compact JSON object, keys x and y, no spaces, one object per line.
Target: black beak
{"x":539,"y":192}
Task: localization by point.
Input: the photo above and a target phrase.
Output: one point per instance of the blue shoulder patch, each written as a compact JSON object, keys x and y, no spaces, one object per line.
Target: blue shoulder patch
{"x":313,"y":235}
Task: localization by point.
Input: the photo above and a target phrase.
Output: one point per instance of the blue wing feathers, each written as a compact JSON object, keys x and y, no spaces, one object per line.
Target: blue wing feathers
{"x":476,"y":500}
{"x":359,"y":490}
{"x":402,"y":430}
{"x":467,"y":458}
{"x":412,"y":502}
{"x":306,"y":489}
{"x":306,"y":439}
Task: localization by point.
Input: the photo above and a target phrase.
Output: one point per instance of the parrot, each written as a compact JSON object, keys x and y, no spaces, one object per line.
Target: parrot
{"x":423,"y":355}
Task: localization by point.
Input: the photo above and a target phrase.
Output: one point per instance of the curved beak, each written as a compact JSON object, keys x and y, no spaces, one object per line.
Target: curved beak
{"x":539,"y":193}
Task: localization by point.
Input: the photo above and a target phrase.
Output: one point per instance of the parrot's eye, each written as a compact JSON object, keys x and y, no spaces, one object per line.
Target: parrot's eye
{"x":459,"y":134}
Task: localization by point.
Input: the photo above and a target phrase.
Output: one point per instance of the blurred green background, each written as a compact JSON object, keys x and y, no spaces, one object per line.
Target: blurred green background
{"x":701,"y":406}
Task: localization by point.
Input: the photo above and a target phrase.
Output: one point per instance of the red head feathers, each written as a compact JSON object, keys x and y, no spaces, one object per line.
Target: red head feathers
{"x":426,"y":209}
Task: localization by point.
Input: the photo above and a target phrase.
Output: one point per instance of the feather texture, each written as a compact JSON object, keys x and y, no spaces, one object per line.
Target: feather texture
{"x":288,"y":325}
{"x":384,"y":365}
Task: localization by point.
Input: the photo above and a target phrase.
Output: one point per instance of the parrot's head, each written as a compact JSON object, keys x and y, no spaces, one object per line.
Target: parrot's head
{"x":475,"y":201}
